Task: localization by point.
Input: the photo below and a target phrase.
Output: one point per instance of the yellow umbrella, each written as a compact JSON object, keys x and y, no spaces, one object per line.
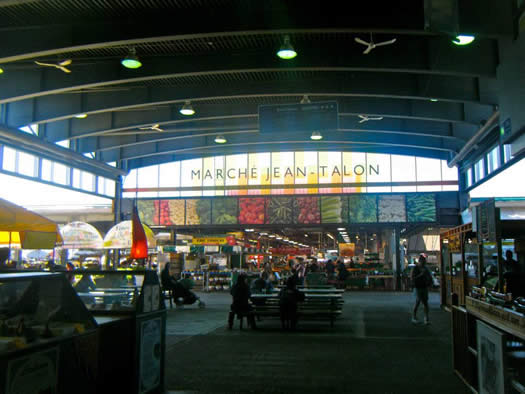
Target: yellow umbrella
{"x":120,"y":237}
{"x":19,"y":226}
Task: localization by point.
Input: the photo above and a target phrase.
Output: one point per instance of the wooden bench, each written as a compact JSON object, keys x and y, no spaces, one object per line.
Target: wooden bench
{"x":314,"y":307}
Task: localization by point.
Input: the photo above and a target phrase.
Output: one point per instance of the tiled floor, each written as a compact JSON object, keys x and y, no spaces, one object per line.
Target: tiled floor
{"x":373,"y":349}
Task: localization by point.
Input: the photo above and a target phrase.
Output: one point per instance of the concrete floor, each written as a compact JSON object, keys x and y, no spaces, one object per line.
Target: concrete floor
{"x":372,"y":349}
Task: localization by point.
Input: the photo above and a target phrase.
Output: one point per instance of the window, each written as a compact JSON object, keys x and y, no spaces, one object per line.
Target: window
{"x":148,"y":177}
{"x":403,"y":170}
{"x":479,"y":171}
{"x":77,"y":180}
{"x":110,"y":188}
{"x":88,"y":181}
{"x":493,"y":160}
{"x":60,"y":174}
{"x":9,"y":163}
{"x":428,"y":170}
{"x":63,"y":143}
{"x":47,"y":170}
{"x":27,"y":164}
{"x":507,"y":155}
{"x":31,"y":129}
{"x":470,"y":179}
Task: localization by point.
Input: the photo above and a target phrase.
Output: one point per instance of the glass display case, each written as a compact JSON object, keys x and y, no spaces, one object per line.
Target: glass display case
{"x":39,"y":308}
{"x":118,"y":292}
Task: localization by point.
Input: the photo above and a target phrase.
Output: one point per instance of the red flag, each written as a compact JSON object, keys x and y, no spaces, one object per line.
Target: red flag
{"x":139,"y":243}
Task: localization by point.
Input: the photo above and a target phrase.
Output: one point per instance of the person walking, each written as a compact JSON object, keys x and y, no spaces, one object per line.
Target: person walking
{"x":421,"y":280}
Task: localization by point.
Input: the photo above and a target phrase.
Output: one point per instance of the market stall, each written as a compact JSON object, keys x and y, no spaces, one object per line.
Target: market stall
{"x":488,"y":317}
{"x":119,"y":237}
{"x":24,"y":229}
{"x":129,"y":311}
{"x":49,"y":339}
{"x":83,"y":239}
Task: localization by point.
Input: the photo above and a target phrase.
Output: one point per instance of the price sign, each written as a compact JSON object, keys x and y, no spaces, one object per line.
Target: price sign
{"x":487,"y":221}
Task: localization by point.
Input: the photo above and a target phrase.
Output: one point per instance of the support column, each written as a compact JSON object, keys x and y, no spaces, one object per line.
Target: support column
{"x":117,"y":215}
{"x":397,"y":260}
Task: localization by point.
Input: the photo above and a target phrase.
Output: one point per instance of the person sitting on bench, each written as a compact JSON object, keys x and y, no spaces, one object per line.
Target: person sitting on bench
{"x":262,"y":284}
{"x":288,"y":299}
{"x":182,"y":295}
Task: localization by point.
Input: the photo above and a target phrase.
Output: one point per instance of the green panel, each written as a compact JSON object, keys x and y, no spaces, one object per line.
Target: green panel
{"x":146,"y":211}
{"x":362,"y":209}
{"x":334,"y":209}
{"x":224,"y":210}
{"x":279,"y":210}
{"x":421,"y":207}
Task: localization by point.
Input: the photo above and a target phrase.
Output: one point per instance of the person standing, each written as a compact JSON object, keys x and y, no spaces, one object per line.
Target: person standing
{"x":513,"y":276}
{"x":421,"y":280}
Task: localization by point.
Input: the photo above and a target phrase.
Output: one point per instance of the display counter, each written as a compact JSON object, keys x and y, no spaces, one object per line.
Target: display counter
{"x":48,"y":339}
{"x":488,"y":346}
{"x":131,"y":319}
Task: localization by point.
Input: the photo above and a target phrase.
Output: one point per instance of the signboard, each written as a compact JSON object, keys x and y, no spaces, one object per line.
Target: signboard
{"x":292,"y":251}
{"x":487,"y":221}
{"x":491,"y":359}
{"x":36,"y":373}
{"x":213,"y":240}
{"x":309,"y":210}
{"x":209,"y":241}
{"x":301,"y":172}
{"x":347,"y":249}
{"x":150,"y":353}
{"x":317,"y":116}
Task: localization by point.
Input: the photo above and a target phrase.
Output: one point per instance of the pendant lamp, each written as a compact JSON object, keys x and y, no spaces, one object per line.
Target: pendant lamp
{"x":139,"y":243}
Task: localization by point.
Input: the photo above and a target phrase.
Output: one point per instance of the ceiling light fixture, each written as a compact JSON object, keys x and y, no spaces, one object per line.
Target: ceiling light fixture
{"x":187,"y":108}
{"x":278,"y":238}
{"x":305,"y":100}
{"x":329,"y":236}
{"x":248,"y":230}
{"x":1,"y":70}
{"x":131,"y":60}
{"x":81,"y":116}
{"x":316,"y":136}
{"x":463,"y":39}
{"x":220,"y":139}
{"x":286,"y":51}
{"x":434,"y":100}
{"x":341,"y":229}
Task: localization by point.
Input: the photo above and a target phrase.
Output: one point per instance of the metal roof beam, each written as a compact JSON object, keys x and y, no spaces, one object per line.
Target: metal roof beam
{"x":300,"y":139}
{"x":363,"y":85}
{"x":30,"y":80}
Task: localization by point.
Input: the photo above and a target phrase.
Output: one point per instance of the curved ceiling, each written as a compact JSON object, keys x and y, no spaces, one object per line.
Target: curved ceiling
{"x":221,"y":55}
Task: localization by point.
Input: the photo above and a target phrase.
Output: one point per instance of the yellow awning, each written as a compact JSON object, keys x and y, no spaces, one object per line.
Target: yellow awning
{"x":26,"y":228}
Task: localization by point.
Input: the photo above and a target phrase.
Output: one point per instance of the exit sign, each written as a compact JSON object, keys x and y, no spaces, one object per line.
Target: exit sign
{"x":299,"y":117}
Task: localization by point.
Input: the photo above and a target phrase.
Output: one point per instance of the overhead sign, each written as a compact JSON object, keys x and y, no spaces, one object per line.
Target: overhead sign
{"x":200,"y":241}
{"x":487,"y":221}
{"x":298,"y":117}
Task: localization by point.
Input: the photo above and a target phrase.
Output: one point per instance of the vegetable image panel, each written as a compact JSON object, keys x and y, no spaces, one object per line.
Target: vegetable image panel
{"x":421,"y":207}
{"x":306,"y":210}
{"x":146,"y":209}
{"x":198,"y":211}
{"x":224,"y":211}
{"x":332,"y":209}
{"x":251,"y":211}
{"x":392,"y":208}
{"x":362,"y":209}
{"x":176,"y":208}
{"x":279,"y":210}
{"x":164,"y":216}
